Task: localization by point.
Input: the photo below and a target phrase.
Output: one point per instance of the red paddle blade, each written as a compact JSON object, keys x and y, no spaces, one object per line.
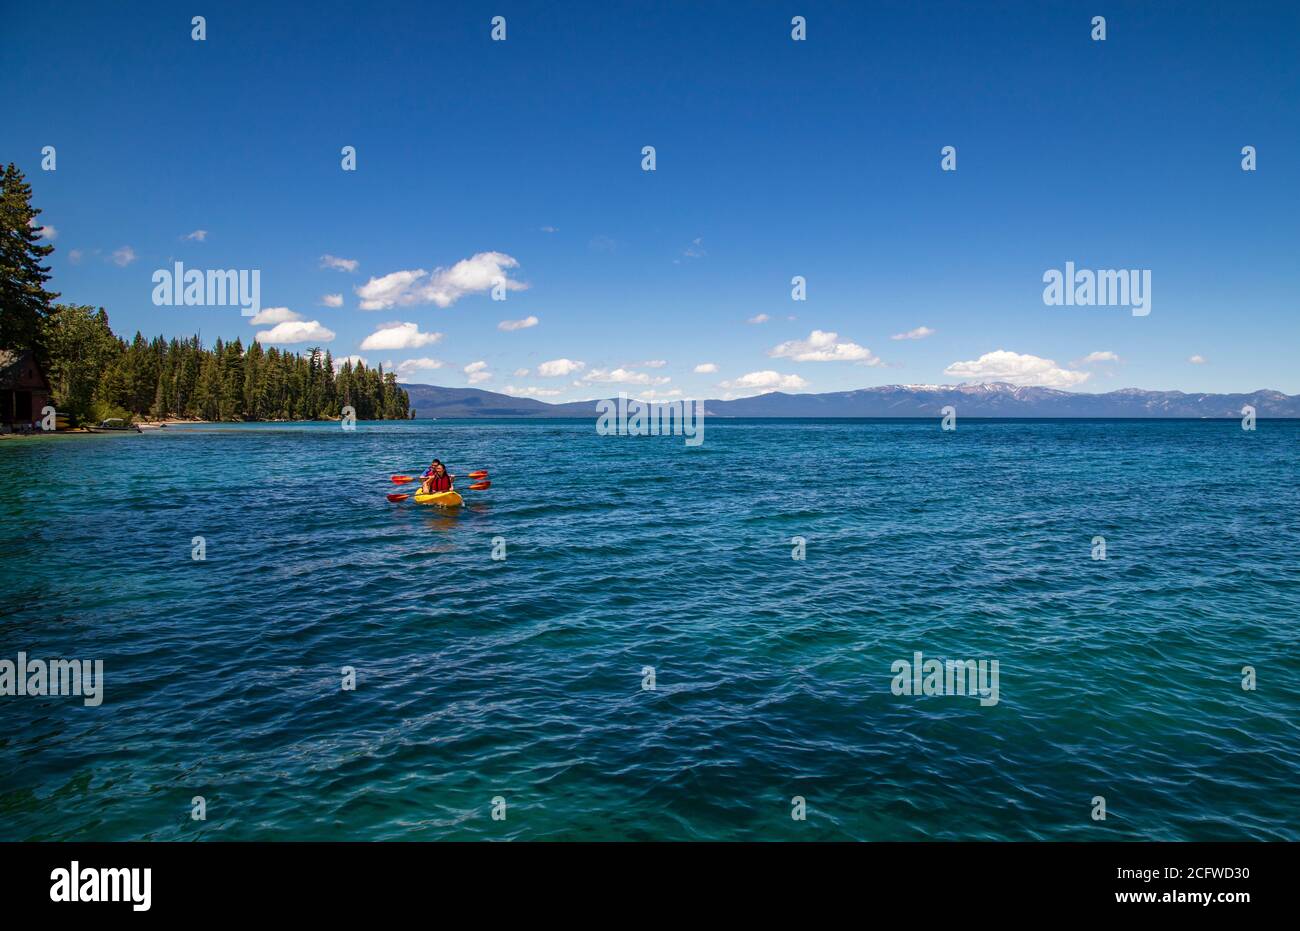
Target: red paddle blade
{"x":397,"y":497}
{"x":477,"y":486}
{"x":479,"y":473}
{"x":403,"y":479}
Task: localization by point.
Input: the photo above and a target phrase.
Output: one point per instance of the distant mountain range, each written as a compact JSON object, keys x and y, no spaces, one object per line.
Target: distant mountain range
{"x":997,"y":399}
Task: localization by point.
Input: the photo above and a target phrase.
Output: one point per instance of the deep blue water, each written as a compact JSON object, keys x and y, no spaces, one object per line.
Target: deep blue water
{"x":523,"y":678}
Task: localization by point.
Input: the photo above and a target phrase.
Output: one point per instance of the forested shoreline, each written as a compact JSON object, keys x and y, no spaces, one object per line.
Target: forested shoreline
{"x":96,"y":374}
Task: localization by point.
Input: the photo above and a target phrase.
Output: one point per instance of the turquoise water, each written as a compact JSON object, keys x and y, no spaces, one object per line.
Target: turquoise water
{"x":522,"y":678}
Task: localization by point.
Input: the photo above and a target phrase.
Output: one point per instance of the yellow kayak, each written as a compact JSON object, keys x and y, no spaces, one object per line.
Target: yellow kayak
{"x":446,"y":499}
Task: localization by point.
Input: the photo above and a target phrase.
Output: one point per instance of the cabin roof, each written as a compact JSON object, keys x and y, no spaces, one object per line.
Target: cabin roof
{"x":14,"y":364}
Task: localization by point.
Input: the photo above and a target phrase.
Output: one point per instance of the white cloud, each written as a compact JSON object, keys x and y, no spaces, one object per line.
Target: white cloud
{"x":759,"y":318}
{"x":411,"y":366}
{"x":558,"y":368}
{"x":823,"y":346}
{"x":338,"y":363}
{"x":197,"y":235}
{"x":654,"y":363}
{"x":296,"y":331}
{"x":1198,"y":360}
{"x":399,"y":335}
{"x":550,"y":229}
{"x":477,"y":372}
{"x":332,"y":300}
{"x":767,"y":379}
{"x":124,"y":256}
{"x":521,"y":373}
{"x":531,"y":392}
{"x":385,"y":291}
{"x":444,"y":287}
{"x":75,"y":256}
{"x":508,"y":325}
{"x":920,"y":332}
{"x":46,"y":232}
{"x":343,"y":265}
{"x":1095,"y":357}
{"x":1016,"y":369}
{"x":695,"y":250}
{"x":706,"y":368}
{"x":272,"y":315}
{"x":650,"y":394}
{"x":622,"y":376}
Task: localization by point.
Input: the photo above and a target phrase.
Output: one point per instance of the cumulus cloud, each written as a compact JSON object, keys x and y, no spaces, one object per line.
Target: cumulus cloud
{"x":338,"y":264}
{"x":558,"y":368}
{"x":387,"y":290}
{"x":196,"y":236}
{"x":332,"y":300}
{"x":1094,"y":357}
{"x":296,"y":331}
{"x":124,"y":256}
{"x":1016,"y":369}
{"x":654,"y":363}
{"x":399,"y":335}
{"x":706,"y":368}
{"x":758,"y":318}
{"x":411,"y":366}
{"x":823,"y":346}
{"x":272,"y":315}
{"x":766,"y":379}
{"x":622,"y":376}
{"x":1197,"y":360}
{"x":508,"y":325}
{"x":920,"y":332}
{"x":444,"y":286}
{"x":477,"y":372}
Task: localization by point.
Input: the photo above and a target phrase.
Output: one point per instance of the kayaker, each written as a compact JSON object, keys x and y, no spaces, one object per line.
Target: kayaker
{"x":435,"y":479}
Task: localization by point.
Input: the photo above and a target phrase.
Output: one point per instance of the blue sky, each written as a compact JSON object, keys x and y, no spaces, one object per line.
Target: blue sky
{"x":775,"y":158}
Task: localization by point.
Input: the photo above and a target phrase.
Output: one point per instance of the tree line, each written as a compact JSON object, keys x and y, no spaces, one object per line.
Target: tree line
{"x":96,"y":374}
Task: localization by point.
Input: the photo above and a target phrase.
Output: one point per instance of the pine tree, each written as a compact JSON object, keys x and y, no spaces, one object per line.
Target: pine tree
{"x":24,"y":302}
{"x":232,"y":382}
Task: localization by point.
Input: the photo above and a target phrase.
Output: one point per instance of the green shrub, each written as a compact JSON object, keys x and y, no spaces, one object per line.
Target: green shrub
{"x":102,"y":410}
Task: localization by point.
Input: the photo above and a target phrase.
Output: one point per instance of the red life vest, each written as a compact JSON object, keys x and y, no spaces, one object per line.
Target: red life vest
{"x":440,"y":482}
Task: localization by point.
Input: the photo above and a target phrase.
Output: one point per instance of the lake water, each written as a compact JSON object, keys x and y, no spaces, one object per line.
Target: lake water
{"x":523,"y":679}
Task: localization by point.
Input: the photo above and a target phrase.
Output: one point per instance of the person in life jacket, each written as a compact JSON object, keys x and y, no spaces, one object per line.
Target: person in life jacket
{"x":435,"y":479}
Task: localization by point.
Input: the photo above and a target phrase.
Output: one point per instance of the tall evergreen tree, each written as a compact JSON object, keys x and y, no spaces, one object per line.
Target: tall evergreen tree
{"x":24,"y":302}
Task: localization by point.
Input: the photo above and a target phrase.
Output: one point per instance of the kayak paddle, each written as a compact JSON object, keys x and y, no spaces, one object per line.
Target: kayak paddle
{"x":406,"y":479}
{"x":477,"y":486}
